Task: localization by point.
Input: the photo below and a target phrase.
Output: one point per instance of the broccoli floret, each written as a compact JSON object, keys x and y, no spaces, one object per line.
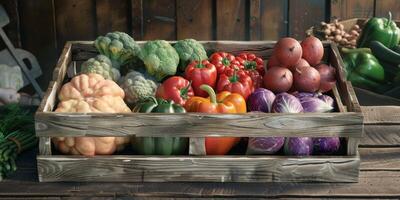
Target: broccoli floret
{"x":119,"y":47}
{"x":137,"y":87}
{"x":159,"y":58}
{"x":100,"y":65}
{"x":189,"y":50}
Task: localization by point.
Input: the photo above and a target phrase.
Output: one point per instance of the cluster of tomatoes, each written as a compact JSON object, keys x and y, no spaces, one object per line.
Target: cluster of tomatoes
{"x":240,"y":74}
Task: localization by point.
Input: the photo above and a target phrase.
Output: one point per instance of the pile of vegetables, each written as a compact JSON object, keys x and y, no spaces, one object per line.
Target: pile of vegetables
{"x":181,"y":78}
{"x":375,"y":64}
{"x":337,"y":33}
{"x":17,"y":134}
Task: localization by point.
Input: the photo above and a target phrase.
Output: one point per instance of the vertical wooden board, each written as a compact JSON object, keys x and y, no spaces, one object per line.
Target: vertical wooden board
{"x":194,"y":19}
{"x":75,"y":20}
{"x":346,"y":9}
{"x":254,"y":20}
{"x":231,"y":20}
{"x":159,"y":20}
{"x":112,"y":15}
{"x":273,"y":19}
{"x":304,"y":14}
{"x":38,"y":34}
{"x":137,"y":19}
{"x":13,"y":28}
{"x":384,"y":6}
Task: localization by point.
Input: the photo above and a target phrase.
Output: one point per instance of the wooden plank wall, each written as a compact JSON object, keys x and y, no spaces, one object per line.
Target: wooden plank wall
{"x":43,"y":26}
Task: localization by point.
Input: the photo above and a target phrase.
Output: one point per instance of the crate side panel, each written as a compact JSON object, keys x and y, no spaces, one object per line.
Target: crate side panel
{"x":195,"y":169}
{"x":199,"y":124}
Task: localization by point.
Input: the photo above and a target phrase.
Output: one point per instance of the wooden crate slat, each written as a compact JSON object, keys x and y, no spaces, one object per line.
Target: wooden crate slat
{"x":381,"y":135}
{"x":376,"y":159}
{"x":389,"y":115}
{"x":199,"y":124}
{"x":45,"y":146}
{"x":188,"y":169}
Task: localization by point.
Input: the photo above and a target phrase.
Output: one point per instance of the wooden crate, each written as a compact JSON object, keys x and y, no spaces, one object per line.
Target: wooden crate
{"x":381,"y":112}
{"x":347,"y":122}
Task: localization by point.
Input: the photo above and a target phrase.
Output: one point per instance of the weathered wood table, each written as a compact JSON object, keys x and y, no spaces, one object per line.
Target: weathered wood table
{"x":379,"y":178}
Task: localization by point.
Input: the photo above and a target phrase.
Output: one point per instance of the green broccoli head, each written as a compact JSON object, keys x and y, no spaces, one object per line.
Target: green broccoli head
{"x":119,"y":47}
{"x":137,"y":87}
{"x":100,"y":65}
{"x":189,"y":50}
{"x":159,"y":58}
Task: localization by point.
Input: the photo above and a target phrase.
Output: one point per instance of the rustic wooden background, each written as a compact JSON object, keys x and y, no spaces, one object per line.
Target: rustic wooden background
{"x":43,"y":26}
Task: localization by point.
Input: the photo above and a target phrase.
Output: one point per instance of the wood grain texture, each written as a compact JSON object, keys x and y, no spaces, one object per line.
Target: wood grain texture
{"x":45,"y":146}
{"x":389,"y":115}
{"x":347,"y":93}
{"x":381,"y":135}
{"x":75,"y":20}
{"x":199,"y":124}
{"x":197,"y":146}
{"x":61,"y":68}
{"x":137,"y":19}
{"x":376,"y":159}
{"x":159,"y":19}
{"x":304,"y":14}
{"x":231,"y":20}
{"x":38,"y":34}
{"x":194,"y":19}
{"x":384,"y":6}
{"x":345,"y":9}
{"x":378,"y":178}
{"x":268,"y":19}
{"x":209,"y":169}
{"x":112,"y":15}
{"x":371,"y":185}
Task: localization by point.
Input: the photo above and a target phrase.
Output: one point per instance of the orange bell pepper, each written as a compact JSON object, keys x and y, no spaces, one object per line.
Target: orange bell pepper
{"x":223,"y":102}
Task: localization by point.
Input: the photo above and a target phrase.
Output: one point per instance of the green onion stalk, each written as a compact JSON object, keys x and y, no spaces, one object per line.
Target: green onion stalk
{"x":17,"y":134}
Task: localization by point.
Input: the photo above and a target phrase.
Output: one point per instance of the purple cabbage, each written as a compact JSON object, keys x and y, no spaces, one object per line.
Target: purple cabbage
{"x":260,"y":100}
{"x":326,"y":145}
{"x":298,"y":146}
{"x":315,"y":103}
{"x":327,"y":99}
{"x":265,"y":145}
{"x":286,"y":103}
{"x":304,"y":94}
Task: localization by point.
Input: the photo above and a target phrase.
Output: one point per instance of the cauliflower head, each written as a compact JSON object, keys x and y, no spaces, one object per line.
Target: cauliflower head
{"x":189,"y":50}
{"x":119,"y":47}
{"x":100,"y":65}
{"x":137,"y":87}
{"x":159,"y":58}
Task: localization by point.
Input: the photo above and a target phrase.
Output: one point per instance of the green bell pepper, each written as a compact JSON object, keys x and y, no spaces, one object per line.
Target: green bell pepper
{"x":363,"y":69}
{"x":159,"y":145}
{"x":382,"y":30}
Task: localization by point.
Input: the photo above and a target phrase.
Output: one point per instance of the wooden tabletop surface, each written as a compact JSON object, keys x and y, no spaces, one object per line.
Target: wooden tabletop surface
{"x":379,"y":177}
